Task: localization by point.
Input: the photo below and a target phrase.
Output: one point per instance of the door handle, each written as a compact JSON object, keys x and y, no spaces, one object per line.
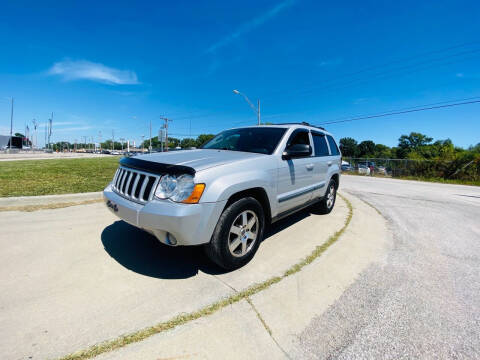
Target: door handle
{"x":329,"y":163}
{"x":309,"y":166}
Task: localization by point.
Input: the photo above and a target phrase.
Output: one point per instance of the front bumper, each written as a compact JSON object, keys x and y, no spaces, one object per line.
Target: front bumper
{"x":190,"y":224}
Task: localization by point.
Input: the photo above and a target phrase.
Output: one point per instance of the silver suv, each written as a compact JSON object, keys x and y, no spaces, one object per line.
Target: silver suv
{"x":224,"y":195}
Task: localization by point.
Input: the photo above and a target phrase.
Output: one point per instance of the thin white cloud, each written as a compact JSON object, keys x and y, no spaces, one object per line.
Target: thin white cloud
{"x":78,"y":128}
{"x":330,"y":62}
{"x":85,"y":70}
{"x":250,"y":25}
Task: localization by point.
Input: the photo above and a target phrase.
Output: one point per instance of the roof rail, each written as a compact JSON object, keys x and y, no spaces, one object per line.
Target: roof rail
{"x":302,"y":123}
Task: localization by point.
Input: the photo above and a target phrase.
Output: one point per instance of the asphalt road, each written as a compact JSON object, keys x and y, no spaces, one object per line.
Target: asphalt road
{"x":424,"y":302}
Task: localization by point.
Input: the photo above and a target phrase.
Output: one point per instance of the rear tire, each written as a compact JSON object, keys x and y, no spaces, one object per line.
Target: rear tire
{"x":238,"y":234}
{"x":325,"y":206}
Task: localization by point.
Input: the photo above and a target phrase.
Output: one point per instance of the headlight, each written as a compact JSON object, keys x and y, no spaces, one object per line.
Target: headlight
{"x":166,"y":187}
{"x":179,"y":189}
{"x":184,"y":188}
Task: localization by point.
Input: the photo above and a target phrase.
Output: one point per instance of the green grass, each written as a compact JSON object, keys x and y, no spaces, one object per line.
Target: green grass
{"x":58,"y":176}
{"x":140,"y":335}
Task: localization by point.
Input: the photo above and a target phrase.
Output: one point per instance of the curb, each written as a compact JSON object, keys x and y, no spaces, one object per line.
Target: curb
{"x":47,"y":200}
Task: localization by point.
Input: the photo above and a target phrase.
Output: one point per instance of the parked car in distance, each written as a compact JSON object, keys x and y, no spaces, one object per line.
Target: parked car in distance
{"x":363,"y":169}
{"x":382,"y":170}
{"x":347,"y":167}
{"x":224,"y":195}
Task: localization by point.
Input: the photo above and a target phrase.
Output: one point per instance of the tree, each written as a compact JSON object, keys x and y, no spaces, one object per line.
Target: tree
{"x":413,"y":141}
{"x":188,"y":143}
{"x":366,"y":148}
{"x":203,"y":138}
{"x":382,"y":151}
{"x":348,"y":147}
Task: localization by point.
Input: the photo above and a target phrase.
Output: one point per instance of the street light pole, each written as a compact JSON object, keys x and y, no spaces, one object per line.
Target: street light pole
{"x":150,"y":146}
{"x":256,"y":109}
{"x":11,"y":126}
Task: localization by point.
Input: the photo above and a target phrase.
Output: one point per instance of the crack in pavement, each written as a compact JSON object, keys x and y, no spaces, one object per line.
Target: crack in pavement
{"x":259,"y":316}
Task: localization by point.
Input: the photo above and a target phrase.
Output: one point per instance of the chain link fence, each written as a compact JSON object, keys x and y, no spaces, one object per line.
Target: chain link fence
{"x":466,"y":168}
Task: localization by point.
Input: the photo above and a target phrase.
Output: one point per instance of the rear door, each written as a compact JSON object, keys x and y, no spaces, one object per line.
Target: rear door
{"x":295,"y":175}
{"x":321,"y":159}
{"x":334,"y":160}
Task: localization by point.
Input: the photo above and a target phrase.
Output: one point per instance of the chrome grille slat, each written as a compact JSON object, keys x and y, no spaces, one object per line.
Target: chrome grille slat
{"x":125,"y":175}
{"x":135,"y":184}
{"x":144,"y":185}
{"x":128,"y":182}
{"x":120,"y":179}
{"x":115,"y":176}
{"x":120,"y":174}
{"x":153,"y":188}
{"x":127,"y":185}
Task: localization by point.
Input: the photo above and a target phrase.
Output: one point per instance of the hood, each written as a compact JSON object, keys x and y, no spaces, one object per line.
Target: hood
{"x":200,"y":159}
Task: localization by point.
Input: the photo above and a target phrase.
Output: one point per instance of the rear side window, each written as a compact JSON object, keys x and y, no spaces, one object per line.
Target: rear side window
{"x":333,"y":146}
{"x":320,"y":144}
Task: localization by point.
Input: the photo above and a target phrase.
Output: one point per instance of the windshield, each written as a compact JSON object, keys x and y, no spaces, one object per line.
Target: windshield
{"x":262,"y":140}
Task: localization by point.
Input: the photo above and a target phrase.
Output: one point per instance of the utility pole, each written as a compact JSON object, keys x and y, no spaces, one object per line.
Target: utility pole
{"x":143,"y":137}
{"x":100,"y":140}
{"x":113,"y":139}
{"x":165,"y":126}
{"x":50,"y":121}
{"x":11,"y":126}
{"x":34,"y":121}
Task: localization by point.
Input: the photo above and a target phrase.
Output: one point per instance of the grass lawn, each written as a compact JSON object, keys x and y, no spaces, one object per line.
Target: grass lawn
{"x":59,"y":176}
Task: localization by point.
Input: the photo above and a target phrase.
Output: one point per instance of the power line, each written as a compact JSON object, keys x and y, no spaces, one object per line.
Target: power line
{"x":414,"y":68}
{"x":412,"y":107}
{"x":326,"y":84}
{"x":397,"y":112}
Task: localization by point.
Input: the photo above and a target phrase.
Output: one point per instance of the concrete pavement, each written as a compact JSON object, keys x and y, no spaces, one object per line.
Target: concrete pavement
{"x":405,"y":287}
{"x":74,"y":277}
{"x":285,"y":309}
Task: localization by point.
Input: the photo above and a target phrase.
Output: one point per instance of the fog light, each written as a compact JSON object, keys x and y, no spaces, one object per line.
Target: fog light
{"x":171,"y":239}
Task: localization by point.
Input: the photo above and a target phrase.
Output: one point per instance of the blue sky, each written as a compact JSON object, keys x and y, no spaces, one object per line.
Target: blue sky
{"x":117,"y":65}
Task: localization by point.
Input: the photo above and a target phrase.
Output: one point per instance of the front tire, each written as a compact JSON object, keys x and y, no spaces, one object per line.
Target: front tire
{"x":238,"y":234}
{"x":325,"y":206}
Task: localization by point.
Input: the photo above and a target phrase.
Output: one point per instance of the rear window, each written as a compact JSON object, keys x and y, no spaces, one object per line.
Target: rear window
{"x":320,"y":144}
{"x":333,"y":146}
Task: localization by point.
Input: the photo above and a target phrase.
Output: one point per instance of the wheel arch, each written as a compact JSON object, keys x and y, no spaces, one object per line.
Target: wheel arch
{"x":336,"y":177}
{"x":257,"y":193}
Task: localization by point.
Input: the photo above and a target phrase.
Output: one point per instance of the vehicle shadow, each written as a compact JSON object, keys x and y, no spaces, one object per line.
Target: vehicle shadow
{"x":142,"y":253}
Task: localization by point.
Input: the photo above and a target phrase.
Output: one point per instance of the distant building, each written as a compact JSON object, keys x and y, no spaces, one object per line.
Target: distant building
{"x":17,"y":142}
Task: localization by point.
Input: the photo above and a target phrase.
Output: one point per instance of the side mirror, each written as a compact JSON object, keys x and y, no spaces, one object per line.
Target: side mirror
{"x":297,"y":151}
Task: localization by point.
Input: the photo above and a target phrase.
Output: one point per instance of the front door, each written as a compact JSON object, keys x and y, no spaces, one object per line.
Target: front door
{"x":295,"y":176}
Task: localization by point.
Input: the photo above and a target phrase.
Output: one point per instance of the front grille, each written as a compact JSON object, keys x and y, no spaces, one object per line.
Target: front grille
{"x":135,"y":185}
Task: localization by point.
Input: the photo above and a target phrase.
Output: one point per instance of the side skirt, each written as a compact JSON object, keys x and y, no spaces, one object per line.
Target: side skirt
{"x":295,"y":209}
